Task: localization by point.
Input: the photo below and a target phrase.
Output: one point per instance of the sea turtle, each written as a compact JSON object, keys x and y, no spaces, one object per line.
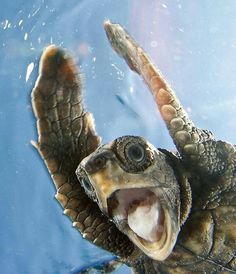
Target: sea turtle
{"x":157,"y":211}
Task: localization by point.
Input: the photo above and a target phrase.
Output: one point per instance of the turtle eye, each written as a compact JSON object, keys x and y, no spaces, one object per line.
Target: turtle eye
{"x":136,"y":153}
{"x":89,"y":190}
{"x":87,"y":186}
{"x":133,"y":152}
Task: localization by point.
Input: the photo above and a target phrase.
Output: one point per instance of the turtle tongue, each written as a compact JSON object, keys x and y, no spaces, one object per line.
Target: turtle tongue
{"x":144,"y":219}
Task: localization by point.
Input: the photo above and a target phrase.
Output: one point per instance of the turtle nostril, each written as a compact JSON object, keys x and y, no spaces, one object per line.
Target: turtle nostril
{"x":99,"y":162}
{"x":95,"y":163}
{"x":89,"y":167}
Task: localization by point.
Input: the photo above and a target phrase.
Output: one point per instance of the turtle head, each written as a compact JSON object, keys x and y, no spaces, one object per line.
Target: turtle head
{"x":135,"y":186}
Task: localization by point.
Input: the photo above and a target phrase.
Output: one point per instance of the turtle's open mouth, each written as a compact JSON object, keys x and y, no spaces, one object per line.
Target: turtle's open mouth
{"x":140,"y":209}
{"x":143,"y":215}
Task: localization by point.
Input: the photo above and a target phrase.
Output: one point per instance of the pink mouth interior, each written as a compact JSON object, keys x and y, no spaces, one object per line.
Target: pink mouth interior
{"x":141,"y":209}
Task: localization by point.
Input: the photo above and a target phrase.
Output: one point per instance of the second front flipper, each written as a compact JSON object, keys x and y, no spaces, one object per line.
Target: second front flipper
{"x":196,"y":146}
{"x":66,"y":135}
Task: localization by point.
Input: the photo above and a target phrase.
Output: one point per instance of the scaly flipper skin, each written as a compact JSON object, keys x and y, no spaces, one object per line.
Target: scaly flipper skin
{"x":66,"y":135}
{"x":195,"y":145}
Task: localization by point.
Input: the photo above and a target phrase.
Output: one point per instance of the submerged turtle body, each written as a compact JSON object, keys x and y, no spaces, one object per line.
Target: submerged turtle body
{"x":157,"y":211}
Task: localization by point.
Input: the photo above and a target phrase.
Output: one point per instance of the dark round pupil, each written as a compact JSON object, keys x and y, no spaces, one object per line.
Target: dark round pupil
{"x":136,"y":153}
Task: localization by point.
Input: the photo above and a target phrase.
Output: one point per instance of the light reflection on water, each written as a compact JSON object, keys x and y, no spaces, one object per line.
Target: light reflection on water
{"x":195,"y":47}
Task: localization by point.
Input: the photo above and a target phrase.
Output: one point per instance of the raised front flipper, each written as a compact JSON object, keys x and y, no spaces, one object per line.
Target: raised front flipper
{"x":195,"y":145}
{"x":66,"y":135}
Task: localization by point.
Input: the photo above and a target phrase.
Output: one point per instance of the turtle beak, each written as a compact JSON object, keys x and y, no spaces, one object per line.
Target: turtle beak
{"x":94,"y":176}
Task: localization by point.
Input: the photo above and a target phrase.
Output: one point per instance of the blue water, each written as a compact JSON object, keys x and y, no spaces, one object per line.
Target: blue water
{"x":194,"y":44}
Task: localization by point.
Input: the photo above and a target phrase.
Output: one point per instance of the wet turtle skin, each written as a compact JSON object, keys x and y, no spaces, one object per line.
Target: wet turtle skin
{"x":203,"y":167}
